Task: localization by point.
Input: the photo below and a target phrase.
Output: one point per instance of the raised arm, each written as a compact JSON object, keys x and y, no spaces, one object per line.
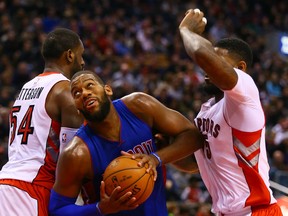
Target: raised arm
{"x":210,"y":59}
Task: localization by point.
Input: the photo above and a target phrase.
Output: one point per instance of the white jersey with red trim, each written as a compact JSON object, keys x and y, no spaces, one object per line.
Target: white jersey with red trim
{"x":34,"y":137}
{"x":233,"y":162}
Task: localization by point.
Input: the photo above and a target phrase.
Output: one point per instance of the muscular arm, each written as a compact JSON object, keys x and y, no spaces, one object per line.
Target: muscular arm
{"x":186,"y":137}
{"x":74,"y":166}
{"x":220,"y":72}
{"x":70,"y":170}
{"x":60,"y":106}
{"x":187,"y":164}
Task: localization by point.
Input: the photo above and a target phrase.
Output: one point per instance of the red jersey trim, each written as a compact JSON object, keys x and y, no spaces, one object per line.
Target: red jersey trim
{"x":247,"y":150}
{"x":48,"y":73}
{"x":46,"y":173}
{"x":247,"y":138}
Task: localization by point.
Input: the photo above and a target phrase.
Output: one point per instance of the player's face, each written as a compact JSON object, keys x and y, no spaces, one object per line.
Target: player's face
{"x":90,"y":97}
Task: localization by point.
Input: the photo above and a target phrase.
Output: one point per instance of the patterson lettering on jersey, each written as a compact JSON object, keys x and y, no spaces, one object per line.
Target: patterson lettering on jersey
{"x":30,"y":93}
{"x":207,"y":126}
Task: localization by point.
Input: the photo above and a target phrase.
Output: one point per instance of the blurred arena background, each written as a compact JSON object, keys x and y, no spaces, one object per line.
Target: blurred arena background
{"x":135,"y":46}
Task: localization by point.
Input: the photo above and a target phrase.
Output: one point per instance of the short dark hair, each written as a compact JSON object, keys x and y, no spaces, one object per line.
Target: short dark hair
{"x":58,"y":41}
{"x":239,"y":49}
{"x":99,"y":80}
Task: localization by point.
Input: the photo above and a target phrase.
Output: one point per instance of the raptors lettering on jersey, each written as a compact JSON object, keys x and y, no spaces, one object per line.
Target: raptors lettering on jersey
{"x":207,"y":126}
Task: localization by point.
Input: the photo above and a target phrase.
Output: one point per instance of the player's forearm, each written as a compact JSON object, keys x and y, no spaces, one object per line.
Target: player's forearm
{"x":182,"y":146}
{"x":187,"y":164}
{"x":65,"y":206}
{"x":194,"y":43}
{"x":220,"y":72}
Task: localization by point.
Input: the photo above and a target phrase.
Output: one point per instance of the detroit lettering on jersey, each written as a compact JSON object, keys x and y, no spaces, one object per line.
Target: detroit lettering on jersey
{"x":207,"y":126}
{"x":143,"y":148}
{"x":30,"y":93}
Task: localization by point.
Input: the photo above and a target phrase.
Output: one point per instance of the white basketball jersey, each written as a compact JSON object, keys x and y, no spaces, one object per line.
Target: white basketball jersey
{"x":233,"y":162}
{"x":34,"y":137}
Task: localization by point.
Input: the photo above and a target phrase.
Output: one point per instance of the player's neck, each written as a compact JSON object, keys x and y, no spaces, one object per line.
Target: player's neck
{"x":109,"y":128}
{"x":53,"y":66}
{"x":52,"y":69}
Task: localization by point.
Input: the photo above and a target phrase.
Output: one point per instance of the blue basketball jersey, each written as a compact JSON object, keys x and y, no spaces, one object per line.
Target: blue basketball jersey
{"x":135,"y":137}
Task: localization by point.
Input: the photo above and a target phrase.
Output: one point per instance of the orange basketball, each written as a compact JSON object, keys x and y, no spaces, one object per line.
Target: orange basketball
{"x":123,"y":171}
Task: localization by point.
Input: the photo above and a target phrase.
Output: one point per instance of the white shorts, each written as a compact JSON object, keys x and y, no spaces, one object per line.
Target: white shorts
{"x":19,"y":198}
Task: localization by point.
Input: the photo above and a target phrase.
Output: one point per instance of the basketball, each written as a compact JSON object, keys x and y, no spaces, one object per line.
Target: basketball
{"x":123,"y":171}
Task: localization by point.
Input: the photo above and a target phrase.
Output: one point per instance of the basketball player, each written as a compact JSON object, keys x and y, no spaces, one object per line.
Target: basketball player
{"x":125,"y":125}
{"x":42,"y":119}
{"x":233,"y":161}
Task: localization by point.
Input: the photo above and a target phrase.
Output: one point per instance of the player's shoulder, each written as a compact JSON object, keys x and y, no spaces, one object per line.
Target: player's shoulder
{"x":75,"y":158}
{"x":138,"y":100}
{"x":242,"y":75}
{"x":246,"y":84}
{"x":75,"y":150}
{"x":142,"y":105}
{"x":61,"y":94}
{"x":135,"y":96}
{"x":59,"y":97}
{"x":60,"y":87}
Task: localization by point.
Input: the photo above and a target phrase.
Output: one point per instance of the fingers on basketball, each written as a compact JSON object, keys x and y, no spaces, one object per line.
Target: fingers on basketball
{"x":124,"y":172}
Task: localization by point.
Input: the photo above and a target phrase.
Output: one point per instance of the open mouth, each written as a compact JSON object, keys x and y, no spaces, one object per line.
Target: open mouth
{"x":90,"y":103}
